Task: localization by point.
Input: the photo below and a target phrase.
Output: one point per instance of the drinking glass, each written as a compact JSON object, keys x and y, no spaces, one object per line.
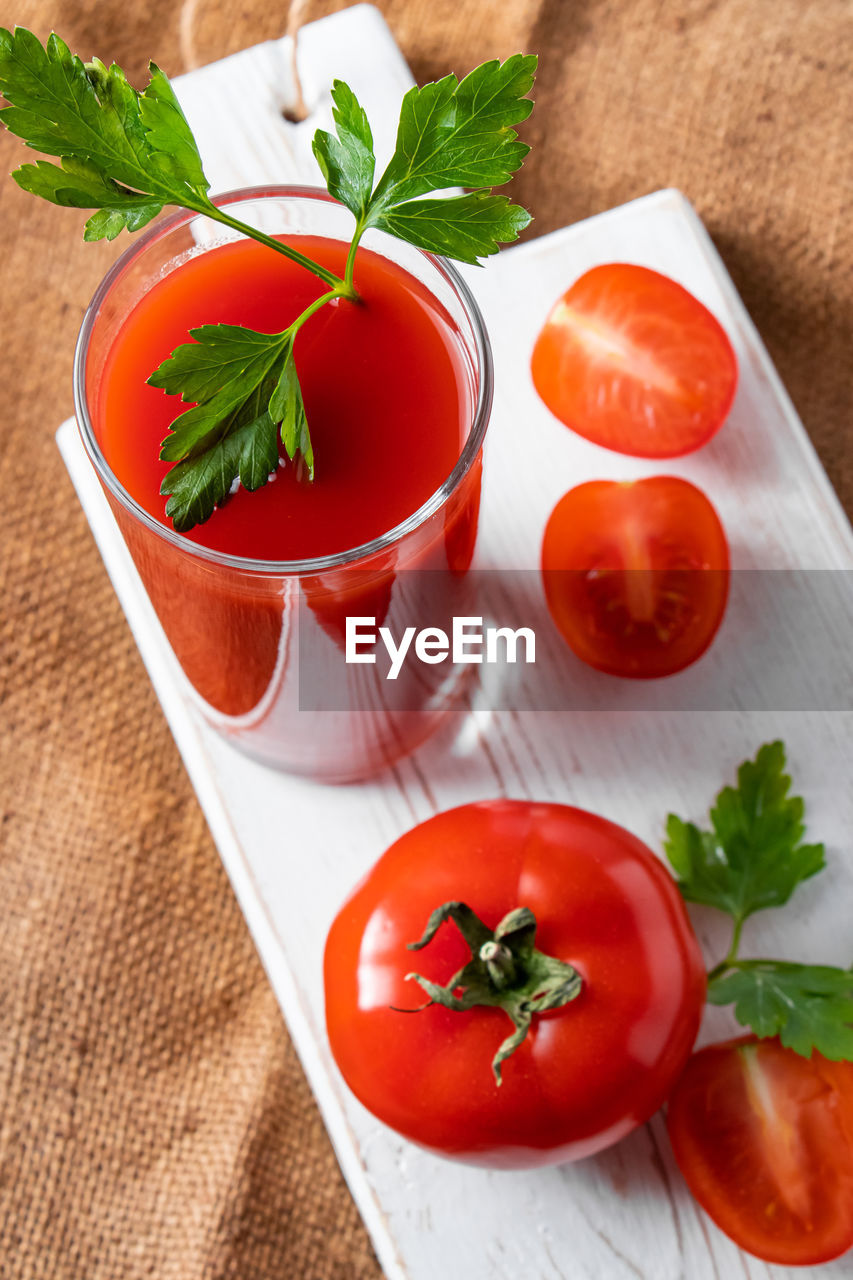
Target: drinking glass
{"x":260,"y":643}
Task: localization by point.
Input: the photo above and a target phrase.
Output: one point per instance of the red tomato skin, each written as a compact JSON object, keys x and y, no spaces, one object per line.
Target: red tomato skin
{"x":587,"y":1074}
{"x":767,"y":1148}
{"x":630,"y":360}
{"x":661,"y":531}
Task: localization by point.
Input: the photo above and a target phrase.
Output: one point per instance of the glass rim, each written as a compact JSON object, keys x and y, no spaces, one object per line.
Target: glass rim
{"x":315,"y":564}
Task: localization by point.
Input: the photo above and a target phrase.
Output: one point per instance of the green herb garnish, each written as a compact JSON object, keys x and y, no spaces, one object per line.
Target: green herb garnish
{"x":753,"y":858}
{"x":128,"y":155}
{"x":450,"y":134}
{"x":247,"y":397}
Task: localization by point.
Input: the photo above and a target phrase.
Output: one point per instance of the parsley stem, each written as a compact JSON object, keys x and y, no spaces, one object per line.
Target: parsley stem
{"x":349,"y":269}
{"x":338,"y":292}
{"x":735,"y":942}
{"x":328,"y":277}
{"x":730,"y":960}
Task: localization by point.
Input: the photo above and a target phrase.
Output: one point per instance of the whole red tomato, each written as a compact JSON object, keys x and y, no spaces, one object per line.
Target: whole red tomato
{"x":636,"y":574}
{"x":632,"y":361}
{"x":764,"y":1138}
{"x":586,"y":1073}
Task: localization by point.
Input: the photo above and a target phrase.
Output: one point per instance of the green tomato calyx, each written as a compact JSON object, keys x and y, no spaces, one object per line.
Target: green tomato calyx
{"x":505,"y":971}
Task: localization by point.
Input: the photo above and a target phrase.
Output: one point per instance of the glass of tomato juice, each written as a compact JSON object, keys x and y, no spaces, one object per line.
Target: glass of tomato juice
{"x":397,"y":391}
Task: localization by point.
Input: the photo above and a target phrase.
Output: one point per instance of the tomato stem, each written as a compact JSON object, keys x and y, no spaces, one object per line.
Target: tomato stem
{"x":499,"y":962}
{"x":505,"y":971}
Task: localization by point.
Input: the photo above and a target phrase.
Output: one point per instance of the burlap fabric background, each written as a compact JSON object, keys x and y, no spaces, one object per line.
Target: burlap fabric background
{"x":153,"y":1118}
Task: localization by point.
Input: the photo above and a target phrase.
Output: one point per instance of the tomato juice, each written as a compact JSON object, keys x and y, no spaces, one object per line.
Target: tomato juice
{"x":383,"y":382}
{"x":397,"y":389}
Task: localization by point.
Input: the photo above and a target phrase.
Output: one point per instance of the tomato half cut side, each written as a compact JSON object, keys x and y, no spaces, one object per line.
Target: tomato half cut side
{"x":636,"y":574}
{"x":764,"y":1138}
{"x":630,"y":360}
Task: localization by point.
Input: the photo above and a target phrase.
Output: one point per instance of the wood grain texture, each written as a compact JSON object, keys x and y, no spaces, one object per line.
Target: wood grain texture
{"x":153,"y":1119}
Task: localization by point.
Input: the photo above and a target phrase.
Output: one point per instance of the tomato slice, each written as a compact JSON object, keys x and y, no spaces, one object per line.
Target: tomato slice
{"x":764,"y":1138}
{"x":632,"y":361}
{"x":636,"y":574}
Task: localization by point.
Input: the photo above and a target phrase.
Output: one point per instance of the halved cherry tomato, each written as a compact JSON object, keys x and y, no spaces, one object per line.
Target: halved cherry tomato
{"x":764,"y":1138}
{"x":632,"y":361}
{"x":636,"y":574}
{"x":587,"y":1072}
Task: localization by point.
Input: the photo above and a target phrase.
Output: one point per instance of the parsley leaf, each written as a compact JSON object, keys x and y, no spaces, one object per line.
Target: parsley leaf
{"x":218,"y":371}
{"x":450,"y":134}
{"x":347,"y":161}
{"x":807,"y":1006}
{"x":78,"y":184}
{"x":246,"y":395}
{"x":123,"y":153}
{"x":249,"y":451}
{"x":460,"y":227}
{"x":172,"y":147}
{"x":753,"y":857}
{"x":287,"y":408}
{"x":458,"y":134}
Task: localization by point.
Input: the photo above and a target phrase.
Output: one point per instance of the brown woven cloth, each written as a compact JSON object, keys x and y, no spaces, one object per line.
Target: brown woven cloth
{"x":153,"y":1118}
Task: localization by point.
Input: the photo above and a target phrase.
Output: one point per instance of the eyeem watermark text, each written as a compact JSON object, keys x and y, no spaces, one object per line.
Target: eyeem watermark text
{"x":469,"y":641}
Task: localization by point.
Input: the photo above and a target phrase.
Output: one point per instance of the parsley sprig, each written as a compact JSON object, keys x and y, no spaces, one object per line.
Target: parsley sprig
{"x":753,"y":858}
{"x":246,"y":395}
{"x":450,"y":134}
{"x":126,"y":154}
{"x":129,"y":154}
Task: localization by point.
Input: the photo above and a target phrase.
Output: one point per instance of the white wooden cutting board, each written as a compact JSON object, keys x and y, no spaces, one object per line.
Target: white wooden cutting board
{"x":293,"y":849}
